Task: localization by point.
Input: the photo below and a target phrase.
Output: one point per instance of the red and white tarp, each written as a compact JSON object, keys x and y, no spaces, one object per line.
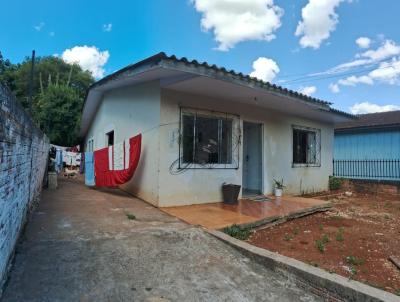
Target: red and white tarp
{"x":116,"y":164}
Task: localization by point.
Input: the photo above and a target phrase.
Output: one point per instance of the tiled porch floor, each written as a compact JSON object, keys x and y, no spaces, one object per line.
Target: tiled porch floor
{"x":220,"y":215}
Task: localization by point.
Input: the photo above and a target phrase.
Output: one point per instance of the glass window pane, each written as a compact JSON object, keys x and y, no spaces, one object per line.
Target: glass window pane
{"x":206,"y":146}
{"x":311,"y":148}
{"x":187,"y":138}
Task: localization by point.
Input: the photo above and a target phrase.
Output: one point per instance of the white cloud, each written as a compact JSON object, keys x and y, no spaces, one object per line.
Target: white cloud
{"x":388,"y":49}
{"x":234,"y":21}
{"x":367,"y":107}
{"x":353,"y":81}
{"x":88,"y":57}
{"x":386,"y":72}
{"x":264,"y":69}
{"x":319,"y":19}
{"x":308,"y":90}
{"x":107,"y":27}
{"x":52,"y":34}
{"x":334,"y":88}
{"x":363,"y":42}
{"x":39,"y":27}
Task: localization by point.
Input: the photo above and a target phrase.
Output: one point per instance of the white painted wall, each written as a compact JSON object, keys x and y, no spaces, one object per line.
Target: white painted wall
{"x":129,"y":111}
{"x":155,"y":113}
{"x":203,"y":186}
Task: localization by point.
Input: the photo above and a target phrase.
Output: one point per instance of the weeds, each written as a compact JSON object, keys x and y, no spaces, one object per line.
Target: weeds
{"x":339,"y":234}
{"x":325,"y":239}
{"x":320,"y":245}
{"x":321,"y":227}
{"x":130,"y":216}
{"x":288,"y":237}
{"x":353,"y":260}
{"x":237,"y":232}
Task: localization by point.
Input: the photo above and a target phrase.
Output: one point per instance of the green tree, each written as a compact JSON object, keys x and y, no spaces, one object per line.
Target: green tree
{"x":47,"y":70}
{"x":59,"y":90}
{"x":58,"y":111}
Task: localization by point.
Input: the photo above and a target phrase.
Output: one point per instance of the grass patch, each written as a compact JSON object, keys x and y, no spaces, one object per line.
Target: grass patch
{"x":237,"y":232}
{"x":130,"y":216}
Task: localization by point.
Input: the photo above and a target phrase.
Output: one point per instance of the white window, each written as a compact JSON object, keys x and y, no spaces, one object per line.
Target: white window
{"x":306,"y":146}
{"x":208,"y":139}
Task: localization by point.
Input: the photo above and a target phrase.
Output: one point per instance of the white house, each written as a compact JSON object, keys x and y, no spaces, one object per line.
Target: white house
{"x":203,"y":126}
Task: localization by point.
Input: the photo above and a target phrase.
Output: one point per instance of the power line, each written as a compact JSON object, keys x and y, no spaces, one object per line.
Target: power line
{"x":336,"y":75}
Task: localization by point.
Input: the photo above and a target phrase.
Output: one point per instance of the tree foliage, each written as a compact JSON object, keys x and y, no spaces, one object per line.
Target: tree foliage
{"x":59,"y":90}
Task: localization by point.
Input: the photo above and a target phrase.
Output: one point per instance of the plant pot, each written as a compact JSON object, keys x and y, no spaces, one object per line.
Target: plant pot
{"x":278,"y":192}
{"x":52,"y":177}
{"x":230,"y":193}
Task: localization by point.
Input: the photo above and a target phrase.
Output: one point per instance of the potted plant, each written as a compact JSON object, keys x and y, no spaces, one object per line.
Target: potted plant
{"x":278,"y":187}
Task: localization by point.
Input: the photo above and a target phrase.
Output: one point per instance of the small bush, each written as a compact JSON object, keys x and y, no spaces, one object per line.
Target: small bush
{"x":397,"y":292}
{"x":237,"y":232}
{"x":130,"y":216}
{"x":325,"y":239}
{"x":335,"y":183}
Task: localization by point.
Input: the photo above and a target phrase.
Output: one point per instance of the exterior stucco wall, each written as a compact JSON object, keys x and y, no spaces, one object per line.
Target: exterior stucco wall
{"x":130,"y":111}
{"x":194,"y":186}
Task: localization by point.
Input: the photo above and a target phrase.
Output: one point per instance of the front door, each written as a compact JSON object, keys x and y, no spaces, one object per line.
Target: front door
{"x":252,"y":158}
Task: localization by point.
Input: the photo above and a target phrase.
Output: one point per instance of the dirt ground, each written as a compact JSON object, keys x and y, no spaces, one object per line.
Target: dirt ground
{"x":354,"y":239}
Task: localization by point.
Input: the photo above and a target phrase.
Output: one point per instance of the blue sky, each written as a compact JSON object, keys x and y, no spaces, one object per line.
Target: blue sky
{"x":229,"y":33}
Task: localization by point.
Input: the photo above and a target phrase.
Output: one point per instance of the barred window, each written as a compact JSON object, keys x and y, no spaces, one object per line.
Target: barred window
{"x":207,"y":139}
{"x":306,"y":146}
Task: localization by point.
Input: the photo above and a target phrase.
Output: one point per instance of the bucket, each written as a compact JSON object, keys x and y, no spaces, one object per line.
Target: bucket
{"x":230,"y":193}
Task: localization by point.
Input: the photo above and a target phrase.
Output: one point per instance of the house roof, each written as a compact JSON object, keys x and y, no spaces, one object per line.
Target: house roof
{"x":388,"y":119}
{"x":180,"y":73}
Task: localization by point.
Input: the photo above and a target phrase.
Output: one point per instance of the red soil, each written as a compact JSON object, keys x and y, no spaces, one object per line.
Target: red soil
{"x":370,"y":227}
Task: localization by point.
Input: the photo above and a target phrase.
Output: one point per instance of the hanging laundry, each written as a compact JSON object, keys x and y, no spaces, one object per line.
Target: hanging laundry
{"x":116,"y":164}
{"x":71,"y":158}
{"x":59,"y":160}
{"x":89,"y":169}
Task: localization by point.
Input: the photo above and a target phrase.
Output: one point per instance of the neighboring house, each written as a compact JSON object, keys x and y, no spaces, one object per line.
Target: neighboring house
{"x":203,"y":126}
{"x":369,"y":147}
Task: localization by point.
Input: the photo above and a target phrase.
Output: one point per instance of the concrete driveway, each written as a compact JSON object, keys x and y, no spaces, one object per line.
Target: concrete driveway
{"x":81,"y":246}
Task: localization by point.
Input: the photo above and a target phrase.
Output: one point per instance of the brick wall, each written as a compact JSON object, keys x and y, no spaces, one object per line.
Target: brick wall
{"x":372,"y":186}
{"x":23,"y":158}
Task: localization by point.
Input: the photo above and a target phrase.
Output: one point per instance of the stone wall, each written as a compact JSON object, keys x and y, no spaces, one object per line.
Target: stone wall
{"x":23,"y":159}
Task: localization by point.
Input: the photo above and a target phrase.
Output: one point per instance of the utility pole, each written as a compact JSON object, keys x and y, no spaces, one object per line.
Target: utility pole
{"x":30,"y":92}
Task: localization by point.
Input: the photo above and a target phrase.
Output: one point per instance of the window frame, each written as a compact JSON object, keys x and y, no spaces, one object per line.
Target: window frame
{"x":235,"y":139}
{"x":317,"y":146}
